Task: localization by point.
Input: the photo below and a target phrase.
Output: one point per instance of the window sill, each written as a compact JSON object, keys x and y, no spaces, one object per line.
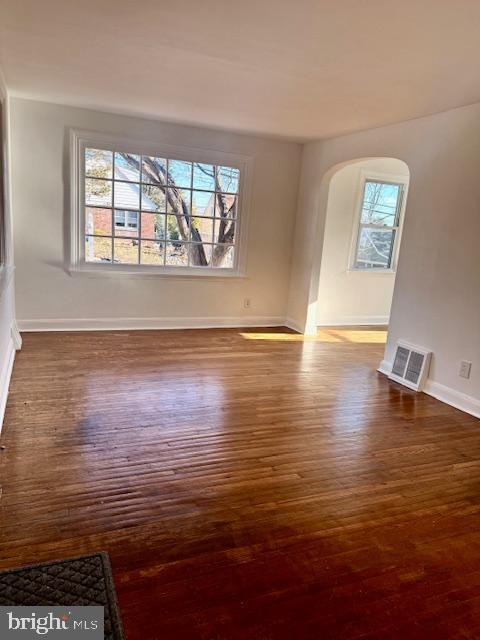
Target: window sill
{"x":382,"y":272}
{"x":177,"y":273}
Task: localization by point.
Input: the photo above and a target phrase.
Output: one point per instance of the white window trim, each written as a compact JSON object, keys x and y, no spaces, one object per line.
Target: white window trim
{"x":3,"y":181}
{"x":366,"y":176}
{"x":81,"y":139}
{"x":6,"y":266}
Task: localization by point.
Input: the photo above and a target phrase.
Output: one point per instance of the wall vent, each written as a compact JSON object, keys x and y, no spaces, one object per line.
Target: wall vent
{"x":410,"y":366}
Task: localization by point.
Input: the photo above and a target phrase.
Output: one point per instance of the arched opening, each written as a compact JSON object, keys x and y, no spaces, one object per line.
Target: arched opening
{"x":361,"y":212}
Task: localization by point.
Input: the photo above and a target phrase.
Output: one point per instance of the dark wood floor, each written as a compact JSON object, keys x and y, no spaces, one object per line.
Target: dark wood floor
{"x":247,"y":485}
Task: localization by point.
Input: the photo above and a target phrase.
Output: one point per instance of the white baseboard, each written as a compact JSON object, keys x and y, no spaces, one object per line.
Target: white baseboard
{"x":385,"y":367}
{"x":443,"y":393}
{"x":346,"y":321}
{"x":130,"y":324}
{"x":5,"y":375}
{"x":16,"y":337}
{"x":454,"y":398}
{"x":119,"y":324}
{"x":292,"y":324}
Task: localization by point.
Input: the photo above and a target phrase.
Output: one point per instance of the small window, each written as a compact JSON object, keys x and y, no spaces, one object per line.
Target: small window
{"x":147,"y":211}
{"x":379,"y":223}
{"x":126,"y":220}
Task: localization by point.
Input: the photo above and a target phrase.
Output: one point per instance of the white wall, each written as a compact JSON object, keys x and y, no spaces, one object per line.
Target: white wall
{"x":48,"y":297}
{"x":436,"y":300}
{"x":346,"y":296}
{"x":9,"y":337}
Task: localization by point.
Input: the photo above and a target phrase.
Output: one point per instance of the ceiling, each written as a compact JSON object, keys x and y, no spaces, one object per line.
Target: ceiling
{"x":301,"y":70}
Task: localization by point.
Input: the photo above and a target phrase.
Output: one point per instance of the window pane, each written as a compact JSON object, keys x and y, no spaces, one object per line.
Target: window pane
{"x":179,"y":200}
{"x":225,"y":205}
{"x":204,"y":176}
{"x":222,"y":256}
{"x":132,"y":219}
{"x":98,"y":192}
{"x":127,"y":167}
{"x":224,"y":231}
{"x":203,"y":203}
{"x":126,"y":251}
{"x":127,"y":195}
{"x":200,"y":255}
{"x":374,"y":249}
{"x":98,"y":163}
{"x":154,"y":170}
{"x":173,"y":231}
{"x":120,"y":219}
{"x":126,"y":223}
{"x":153,"y":226}
{"x":153,"y":198}
{"x":202,"y":230}
{"x":177,"y":254}
{"x":98,"y":222}
{"x":98,"y":249}
{"x":380,"y":203}
{"x":152,"y":252}
{"x":228,"y":177}
{"x":180,"y":172}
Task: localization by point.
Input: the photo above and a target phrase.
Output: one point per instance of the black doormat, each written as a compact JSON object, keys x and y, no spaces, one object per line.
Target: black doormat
{"x":81,"y":581}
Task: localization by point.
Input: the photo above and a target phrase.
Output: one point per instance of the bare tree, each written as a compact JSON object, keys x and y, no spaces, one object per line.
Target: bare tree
{"x":158,"y":175}
{"x":379,"y":213}
{"x":374,"y":207}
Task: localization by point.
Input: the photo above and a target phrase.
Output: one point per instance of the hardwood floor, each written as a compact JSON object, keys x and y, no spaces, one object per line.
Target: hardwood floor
{"x":247,"y":484}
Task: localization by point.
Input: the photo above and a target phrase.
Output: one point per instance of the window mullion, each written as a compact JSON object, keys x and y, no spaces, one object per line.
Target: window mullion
{"x":380,"y":227}
{"x":113,"y":207}
{"x":214,"y":225}
{"x":140,"y":212}
{"x":190,"y":217}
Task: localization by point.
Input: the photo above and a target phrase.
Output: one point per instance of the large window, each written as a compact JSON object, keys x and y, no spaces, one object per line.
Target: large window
{"x":157,"y":212}
{"x":378,"y":227}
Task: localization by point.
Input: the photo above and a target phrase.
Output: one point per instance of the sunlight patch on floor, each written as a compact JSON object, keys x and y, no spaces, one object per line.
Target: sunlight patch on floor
{"x":371,"y":336}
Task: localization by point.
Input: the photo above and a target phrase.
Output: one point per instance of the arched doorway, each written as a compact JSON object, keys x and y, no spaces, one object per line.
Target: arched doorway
{"x":361,"y":210}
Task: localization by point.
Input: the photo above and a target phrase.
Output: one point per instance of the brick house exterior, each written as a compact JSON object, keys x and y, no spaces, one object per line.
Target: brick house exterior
{"x":99,"y":222}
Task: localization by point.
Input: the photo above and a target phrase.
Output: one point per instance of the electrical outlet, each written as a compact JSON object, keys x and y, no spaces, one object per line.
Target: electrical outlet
{"x":465,"y":368}
{"x":247,"y":303}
